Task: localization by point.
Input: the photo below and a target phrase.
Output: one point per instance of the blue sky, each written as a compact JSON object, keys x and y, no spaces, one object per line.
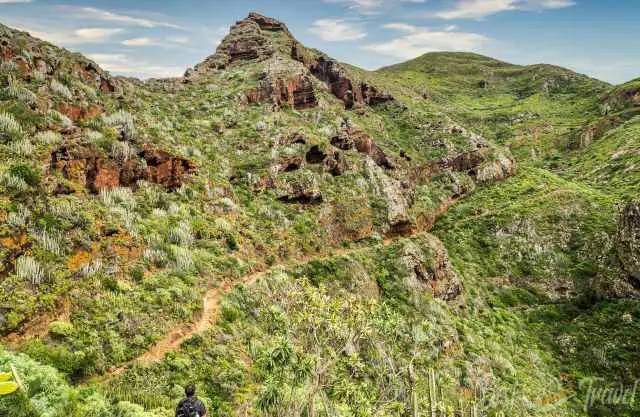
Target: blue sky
{"x":158,"y":38}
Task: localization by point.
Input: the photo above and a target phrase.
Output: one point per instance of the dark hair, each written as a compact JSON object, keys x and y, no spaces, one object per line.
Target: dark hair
{"x":190,"y":390}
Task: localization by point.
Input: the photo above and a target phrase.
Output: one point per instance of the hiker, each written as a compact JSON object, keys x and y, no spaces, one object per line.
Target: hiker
{"x":190,"y":406}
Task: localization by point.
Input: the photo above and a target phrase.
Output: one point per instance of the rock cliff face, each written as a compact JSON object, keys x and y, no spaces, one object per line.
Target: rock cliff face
{"x":629,"y":240}
{"x":297,"y":92}
{"x":248,"y":41}
{"x":350,"y":136}
{"x":434,"y":271}
{"x":352,"y":93}
{"x":88,"y":167}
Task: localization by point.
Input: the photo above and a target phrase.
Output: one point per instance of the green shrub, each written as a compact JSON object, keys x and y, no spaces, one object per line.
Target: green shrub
{"x":61,"y":329}
{"x":26,"y":173}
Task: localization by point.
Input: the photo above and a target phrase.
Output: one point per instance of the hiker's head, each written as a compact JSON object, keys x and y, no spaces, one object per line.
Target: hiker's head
{"x":190,"y":390}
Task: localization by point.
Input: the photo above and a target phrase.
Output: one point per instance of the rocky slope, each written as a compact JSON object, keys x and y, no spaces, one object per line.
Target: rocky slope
{"x":119,"y":215}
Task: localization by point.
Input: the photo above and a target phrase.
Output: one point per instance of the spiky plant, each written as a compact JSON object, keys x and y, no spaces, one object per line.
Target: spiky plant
{"x":60,"y":89}
{"x":18,"y":92}
{"x":124,"y":122}
{"x":29,"y":269}
{"x":10,"y":129}
{"x":23,"y":147}
{"x":123,"y":151}
{"x":47,"y":137}
{"x":60,"y":118}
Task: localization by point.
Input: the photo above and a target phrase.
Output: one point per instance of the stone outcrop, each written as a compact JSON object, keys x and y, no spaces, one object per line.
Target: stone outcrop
{"x":289,"y":164}
{"x":245,"y":41}
{"x":397,"y":203}
{"x":333,"y":162}
{"x":480,"y":164}
{"x":79,"y":113}
{"x":629,"y":240}
{"x":297,"y":92}
{"x":430,"y":267}
{"x":352,"y":93}
{"x":166,"y":169}
{"x":87,"y":166}
{"x":351,"y":136}
{"x":267,"y":23}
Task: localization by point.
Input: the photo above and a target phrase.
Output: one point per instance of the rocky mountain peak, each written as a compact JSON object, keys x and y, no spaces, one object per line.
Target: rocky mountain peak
{"x":267,"y":23}
{"x":291,"y":73}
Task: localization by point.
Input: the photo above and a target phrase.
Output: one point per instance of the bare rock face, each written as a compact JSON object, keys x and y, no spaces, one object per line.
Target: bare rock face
{"x":430,"y":267}
{"x":245,"y":41}
{"x":267,"y":23}
{"x":629,"y":240}
{"x":89,"y":167}
{"x":297,"y":92}
{"x":352,"y":93}
{"x":351,"y":136}
{"x":289,"y":164}
{"x":166,"y":169}
{"x":394,"y":196}
{"x":333,"y":162}
{"x":483,"y":165}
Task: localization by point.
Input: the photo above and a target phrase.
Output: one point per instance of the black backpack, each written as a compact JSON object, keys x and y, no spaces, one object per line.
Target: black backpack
{"x":187,"y":408}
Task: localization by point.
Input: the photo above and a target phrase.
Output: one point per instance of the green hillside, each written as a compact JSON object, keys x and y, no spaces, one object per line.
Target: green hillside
{"x":301,"y":237}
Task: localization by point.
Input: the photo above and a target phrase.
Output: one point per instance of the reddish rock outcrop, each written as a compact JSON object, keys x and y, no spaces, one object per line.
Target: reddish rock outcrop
{"x":297,"y":92}
{"x":87,"y":166}
{"x":351,"y":136}
{"x":480,"y":164}
{"x":463,"y":162}
{"x":166,"y":169}
{"x":77,"y":113}
{"x":352,"y":93}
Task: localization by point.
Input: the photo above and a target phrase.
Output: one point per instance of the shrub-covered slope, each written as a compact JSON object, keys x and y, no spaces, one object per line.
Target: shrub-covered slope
{"x":263,"y":226}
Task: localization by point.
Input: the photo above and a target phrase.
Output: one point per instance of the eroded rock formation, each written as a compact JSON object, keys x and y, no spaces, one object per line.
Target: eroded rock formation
{"x":629,"y":240}
{"x":351,"y":136}
{"x":89,"y":167}
{"x":297,"y":92}
{"x":352,"y":93}
{"x":430,"y":267}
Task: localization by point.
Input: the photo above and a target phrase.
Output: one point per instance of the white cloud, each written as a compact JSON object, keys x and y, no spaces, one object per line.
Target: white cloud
{"x":336,"y":30}
{"x":107,"y":16}
{"x":371,"y":6}
{"x":168,"y":42}
{"x":14,"y":1}
{"x":96,"y":34}
{"x":420,"y":40}
{"x":139,"y":42}
{"x":124,"y":64}
{"x":450,"y":28}
{"x":183,"y":40}
{"x":474,"y":9}
{"x":65,"y":37}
